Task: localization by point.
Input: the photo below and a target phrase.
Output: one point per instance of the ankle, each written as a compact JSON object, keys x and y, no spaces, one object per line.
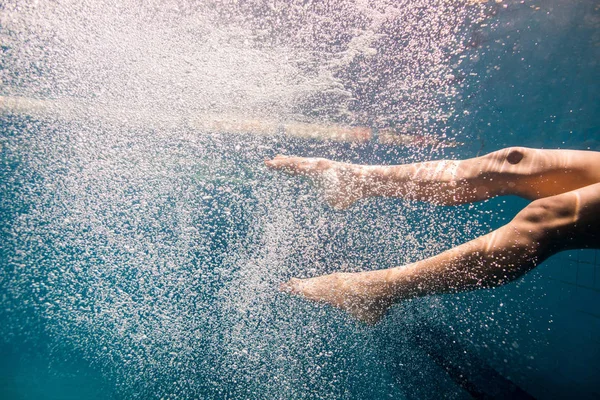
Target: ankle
{"x":368,"y":180}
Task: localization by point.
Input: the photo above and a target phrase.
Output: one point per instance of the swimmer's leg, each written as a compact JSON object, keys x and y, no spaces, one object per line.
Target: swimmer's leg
{"x":545,"y":227}
{"x":524,"y":172}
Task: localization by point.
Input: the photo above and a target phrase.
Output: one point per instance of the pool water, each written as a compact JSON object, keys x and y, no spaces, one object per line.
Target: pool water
{"x":142,"y":244}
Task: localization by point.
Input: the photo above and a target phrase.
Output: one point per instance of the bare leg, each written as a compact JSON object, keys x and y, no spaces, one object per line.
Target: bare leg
{"x":524,"y":172}
{"x":545,"y":227}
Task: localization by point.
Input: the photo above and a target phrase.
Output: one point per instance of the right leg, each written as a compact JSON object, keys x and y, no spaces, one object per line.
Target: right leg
{"x":546,"y":226}
{"x":524,"y":172}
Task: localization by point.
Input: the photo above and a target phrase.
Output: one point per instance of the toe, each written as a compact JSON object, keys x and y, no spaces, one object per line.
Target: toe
{"x":291,"y":286}
{"x":288,"y":164}
{"x":275,"y":162}
{"x":291,"y":165}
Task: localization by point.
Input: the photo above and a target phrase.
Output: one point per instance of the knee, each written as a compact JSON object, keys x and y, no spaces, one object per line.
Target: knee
{"x":509,"y":155}
{"x":549,"y":219}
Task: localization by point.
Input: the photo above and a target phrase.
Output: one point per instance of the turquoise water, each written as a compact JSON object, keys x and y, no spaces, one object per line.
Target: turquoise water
{"x":141,"y":257}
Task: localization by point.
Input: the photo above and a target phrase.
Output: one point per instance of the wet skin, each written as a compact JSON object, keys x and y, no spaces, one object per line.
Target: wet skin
{"x":564,"y":214}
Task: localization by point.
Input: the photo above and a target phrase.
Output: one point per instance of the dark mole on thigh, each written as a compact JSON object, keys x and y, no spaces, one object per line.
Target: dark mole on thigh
{"x":514,"y":157}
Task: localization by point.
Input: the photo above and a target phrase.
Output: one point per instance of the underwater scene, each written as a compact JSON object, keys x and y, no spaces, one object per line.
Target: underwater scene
{"x":143,"y":240}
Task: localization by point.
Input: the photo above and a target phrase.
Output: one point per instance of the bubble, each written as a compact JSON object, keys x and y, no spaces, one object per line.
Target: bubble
{"x":142,"y":227}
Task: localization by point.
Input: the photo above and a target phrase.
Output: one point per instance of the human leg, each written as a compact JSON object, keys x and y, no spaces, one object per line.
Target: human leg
{"x":545,"y":227}
{"x":525,"y":172}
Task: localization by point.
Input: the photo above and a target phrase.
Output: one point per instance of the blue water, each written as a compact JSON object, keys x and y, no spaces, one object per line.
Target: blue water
{"x":144,"y":264}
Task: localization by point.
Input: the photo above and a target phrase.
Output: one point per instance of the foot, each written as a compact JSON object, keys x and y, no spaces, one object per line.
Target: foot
{"x":339,"y":182}
{"x":364,"y":295}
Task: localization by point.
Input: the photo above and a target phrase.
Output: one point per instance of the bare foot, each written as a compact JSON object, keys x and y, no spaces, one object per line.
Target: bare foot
{"x":339,"y":182}
{"x":364,"y":295}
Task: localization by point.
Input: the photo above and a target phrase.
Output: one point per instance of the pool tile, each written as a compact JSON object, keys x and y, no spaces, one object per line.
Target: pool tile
{"x":586,"y":274}
{"x":587,"y":256}
{"x":587,"y":301}
{"x":597,"y":277}
{"x":553,"y":268}
{"x":569,"y":271}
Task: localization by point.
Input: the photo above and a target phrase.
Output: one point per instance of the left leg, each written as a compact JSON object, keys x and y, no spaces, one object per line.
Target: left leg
{"x":545,"y":227}
{"x":529,"y":173}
